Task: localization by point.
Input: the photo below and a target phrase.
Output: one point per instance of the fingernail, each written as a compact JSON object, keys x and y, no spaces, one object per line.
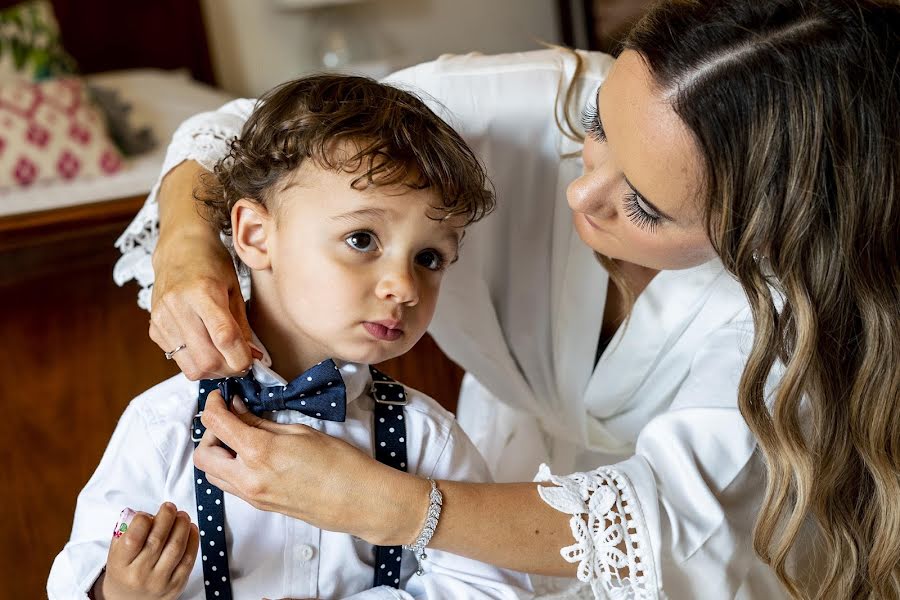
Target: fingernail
{"x":239,"y":406}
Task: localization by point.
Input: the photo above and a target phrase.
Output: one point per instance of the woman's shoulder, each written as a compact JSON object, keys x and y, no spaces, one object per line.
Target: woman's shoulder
{"x":553,"y":60}
{"x":526,"y":77}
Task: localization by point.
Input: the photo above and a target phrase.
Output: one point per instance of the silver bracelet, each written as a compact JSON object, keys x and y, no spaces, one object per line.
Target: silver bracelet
{"x":435,"y":501}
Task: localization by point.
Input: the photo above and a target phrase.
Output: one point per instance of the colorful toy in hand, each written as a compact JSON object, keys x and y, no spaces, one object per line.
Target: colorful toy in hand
{"x":124,"y":521}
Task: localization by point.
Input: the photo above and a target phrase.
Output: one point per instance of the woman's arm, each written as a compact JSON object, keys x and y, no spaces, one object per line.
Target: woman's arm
{"x":196,"y":296}
{"x":507,"y":525}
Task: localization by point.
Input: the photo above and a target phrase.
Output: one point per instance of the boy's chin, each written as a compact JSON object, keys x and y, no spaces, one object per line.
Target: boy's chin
{"x":372,"y":354}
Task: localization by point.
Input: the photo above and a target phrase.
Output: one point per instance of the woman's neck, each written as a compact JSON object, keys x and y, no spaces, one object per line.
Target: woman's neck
{"x":636,"y":277}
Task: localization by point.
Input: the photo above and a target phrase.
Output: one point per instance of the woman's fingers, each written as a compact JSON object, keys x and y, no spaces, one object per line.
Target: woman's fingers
{"x":242,"y":467}
{"x":240,"y":429}
{"x":224,"y":320}
{"x":209,"y":317}
{"x":170,"y":327}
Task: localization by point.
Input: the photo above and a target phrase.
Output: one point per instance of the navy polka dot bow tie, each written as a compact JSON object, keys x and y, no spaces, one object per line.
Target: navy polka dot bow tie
{"x":319,"y":393}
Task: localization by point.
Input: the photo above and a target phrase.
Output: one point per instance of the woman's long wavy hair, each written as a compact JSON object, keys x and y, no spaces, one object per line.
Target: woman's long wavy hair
{"x":795,"y":108}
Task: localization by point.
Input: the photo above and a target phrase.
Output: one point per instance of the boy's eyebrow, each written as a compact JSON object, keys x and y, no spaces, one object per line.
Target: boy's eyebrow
{"x":356,"y":215}
{"x":453,"y":238}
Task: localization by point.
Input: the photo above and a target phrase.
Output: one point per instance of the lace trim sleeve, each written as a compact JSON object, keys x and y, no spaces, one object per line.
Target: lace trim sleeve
{"x":204,"y":138}
{"x":611,"y":545}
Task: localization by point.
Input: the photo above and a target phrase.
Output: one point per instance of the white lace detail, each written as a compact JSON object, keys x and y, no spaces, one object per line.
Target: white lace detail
{"x":204,"y":138}
{"x":609,"y":530}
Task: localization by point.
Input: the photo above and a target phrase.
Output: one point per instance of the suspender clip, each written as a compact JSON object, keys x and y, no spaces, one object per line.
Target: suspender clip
{"x":197,"y":428}
{"x":388,"y":393}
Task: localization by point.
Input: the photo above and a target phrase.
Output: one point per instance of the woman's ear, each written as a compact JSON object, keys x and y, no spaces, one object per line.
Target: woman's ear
{"x":250,"y":225}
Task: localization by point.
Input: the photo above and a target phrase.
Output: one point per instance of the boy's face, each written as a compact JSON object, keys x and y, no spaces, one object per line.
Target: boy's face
{"x":342,"y":273}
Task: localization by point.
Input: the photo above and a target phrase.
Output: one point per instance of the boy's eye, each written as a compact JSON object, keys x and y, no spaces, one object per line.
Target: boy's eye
{"x":362,"y":241}
{"x":431,"y":259}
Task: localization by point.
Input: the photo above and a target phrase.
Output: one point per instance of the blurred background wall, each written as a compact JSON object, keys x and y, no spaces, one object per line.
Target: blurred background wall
{"x":257,"y":44}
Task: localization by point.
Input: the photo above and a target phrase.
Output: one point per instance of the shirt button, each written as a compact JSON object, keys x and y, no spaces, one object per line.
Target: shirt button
{"x":304,"y":552}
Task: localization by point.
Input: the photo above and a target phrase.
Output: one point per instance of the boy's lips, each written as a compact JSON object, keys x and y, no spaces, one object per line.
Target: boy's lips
{"x":388,"y":330}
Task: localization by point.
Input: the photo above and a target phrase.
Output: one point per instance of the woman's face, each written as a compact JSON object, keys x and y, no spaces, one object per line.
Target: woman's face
{"x":638,"y":198}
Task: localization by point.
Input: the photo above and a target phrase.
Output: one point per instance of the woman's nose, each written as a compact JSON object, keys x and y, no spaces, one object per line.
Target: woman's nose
{"x":590,"y":194}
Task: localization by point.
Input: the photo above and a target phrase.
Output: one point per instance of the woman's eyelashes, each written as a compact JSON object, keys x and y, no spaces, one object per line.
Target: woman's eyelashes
{"x":635,"y":208}
{"x":366,"y":242}
{"x":590,"y":120}
{"x":640,"y":214}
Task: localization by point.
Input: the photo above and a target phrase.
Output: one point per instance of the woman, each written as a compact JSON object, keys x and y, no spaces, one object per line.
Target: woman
{"x":751,"y":139}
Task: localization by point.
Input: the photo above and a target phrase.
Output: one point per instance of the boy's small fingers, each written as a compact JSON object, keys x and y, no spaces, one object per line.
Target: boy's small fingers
{"x":159,"y":533}
{"x":186,"y":564}
{"x":125,"y":549}
{"x":175,"y":545}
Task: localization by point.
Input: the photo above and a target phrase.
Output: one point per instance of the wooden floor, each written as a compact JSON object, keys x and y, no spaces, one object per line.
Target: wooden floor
{"x":74,"y":352}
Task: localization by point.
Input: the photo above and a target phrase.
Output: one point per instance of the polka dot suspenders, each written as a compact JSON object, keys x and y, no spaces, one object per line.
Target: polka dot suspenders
{"x":390,"y":449}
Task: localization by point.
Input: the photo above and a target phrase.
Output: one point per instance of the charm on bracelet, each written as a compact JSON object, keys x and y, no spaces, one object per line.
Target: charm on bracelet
{"x":435,"y":502}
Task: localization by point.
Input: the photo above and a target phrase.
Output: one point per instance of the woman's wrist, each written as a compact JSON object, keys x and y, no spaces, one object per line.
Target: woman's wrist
{"x":179,"y":214}
{"x":398,"y":511}
{"x":187,"y":241}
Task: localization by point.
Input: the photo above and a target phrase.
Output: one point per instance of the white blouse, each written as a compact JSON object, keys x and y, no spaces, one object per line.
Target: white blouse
{"x":150,"y":460}
{"x":664,"y":460}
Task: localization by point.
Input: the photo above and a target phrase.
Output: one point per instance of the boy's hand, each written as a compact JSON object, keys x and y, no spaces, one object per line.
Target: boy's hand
{"x":152,"y":560}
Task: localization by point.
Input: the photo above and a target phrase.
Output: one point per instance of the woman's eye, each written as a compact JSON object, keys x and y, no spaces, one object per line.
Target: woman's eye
{"x":590,"y":120}
{"x":645,"y":207}
{"x":431,"y":260}
{"x":641,"y":214}
{"x":361,"y":241}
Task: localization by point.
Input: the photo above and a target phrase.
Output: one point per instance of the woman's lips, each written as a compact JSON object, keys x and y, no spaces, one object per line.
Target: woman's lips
{"x":382,"y":332}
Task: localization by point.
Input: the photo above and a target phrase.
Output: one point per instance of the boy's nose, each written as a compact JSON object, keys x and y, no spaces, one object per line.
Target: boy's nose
{"x":399,"y":285}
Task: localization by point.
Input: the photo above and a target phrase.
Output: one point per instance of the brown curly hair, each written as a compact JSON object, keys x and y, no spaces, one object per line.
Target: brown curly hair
{"x":393,"y":137}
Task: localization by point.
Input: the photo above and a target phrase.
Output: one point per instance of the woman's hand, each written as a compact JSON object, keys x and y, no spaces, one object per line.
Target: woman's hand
{"x":306,"y":474}
{"x":196,"y":295}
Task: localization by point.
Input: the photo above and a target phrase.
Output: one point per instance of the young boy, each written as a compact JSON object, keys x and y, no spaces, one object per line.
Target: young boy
{"x":346,"y":199}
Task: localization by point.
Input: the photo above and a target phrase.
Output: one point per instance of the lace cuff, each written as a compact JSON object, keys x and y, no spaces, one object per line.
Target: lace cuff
{"x":204,"y":138}
{"x":611,"y":546}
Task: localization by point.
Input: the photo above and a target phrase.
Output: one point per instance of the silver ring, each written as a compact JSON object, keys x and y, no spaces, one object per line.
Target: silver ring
{"x":169,"y":355}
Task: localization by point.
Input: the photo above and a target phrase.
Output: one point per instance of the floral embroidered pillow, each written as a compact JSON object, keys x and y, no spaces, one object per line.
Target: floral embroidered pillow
{"x":30,"y":46}
{"x":51,"y":131}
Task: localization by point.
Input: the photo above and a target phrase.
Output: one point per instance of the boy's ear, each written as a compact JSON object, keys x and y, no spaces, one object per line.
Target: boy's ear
{"x":250,"y":226}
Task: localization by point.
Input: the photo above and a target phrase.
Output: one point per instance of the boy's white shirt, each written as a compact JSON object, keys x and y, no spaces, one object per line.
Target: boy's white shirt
{"x":149,"y":461}
{"x":655,"y":421}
